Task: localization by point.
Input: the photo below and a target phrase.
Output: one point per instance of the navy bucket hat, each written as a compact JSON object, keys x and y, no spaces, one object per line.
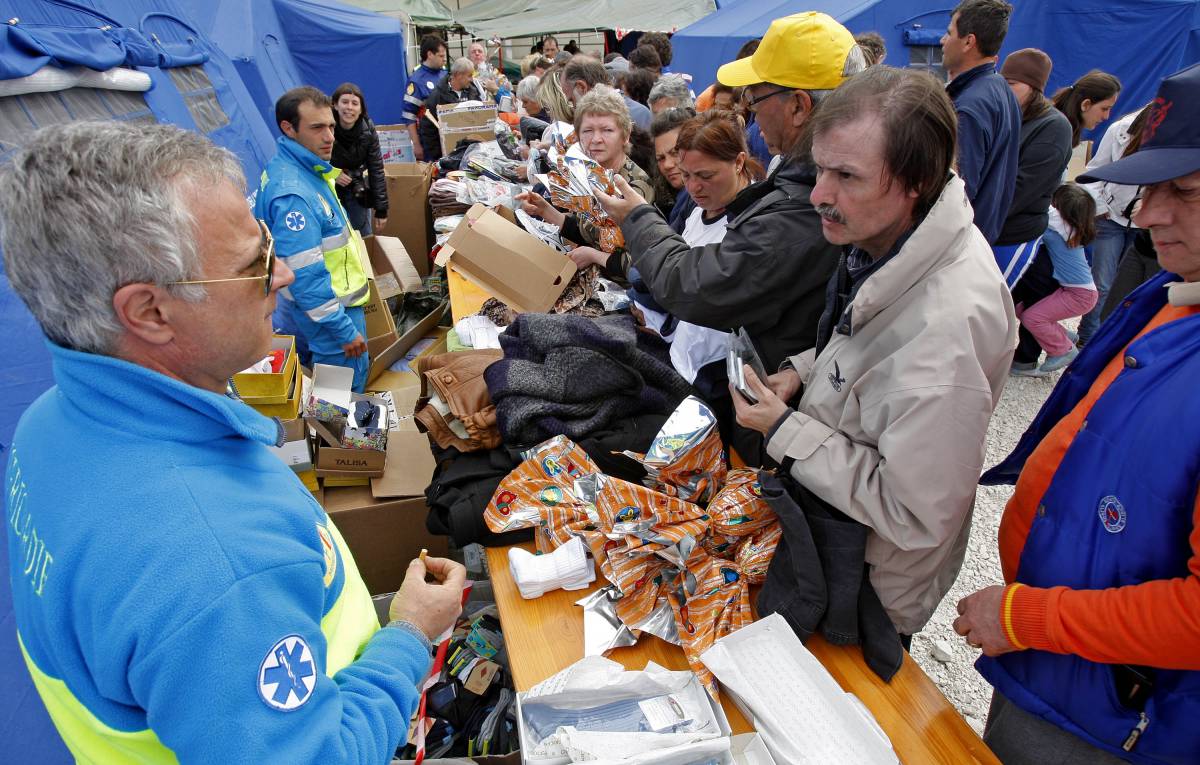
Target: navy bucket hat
{"x":1171,"y":140}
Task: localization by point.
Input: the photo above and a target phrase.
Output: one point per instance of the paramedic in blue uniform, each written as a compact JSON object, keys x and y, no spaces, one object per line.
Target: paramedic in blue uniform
{"x":313,"y":235}
{"x":423,"y":81}
{"x":179,"y":596}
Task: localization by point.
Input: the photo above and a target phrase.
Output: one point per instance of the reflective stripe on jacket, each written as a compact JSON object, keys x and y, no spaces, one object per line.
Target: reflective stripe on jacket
{"x":296,"y":198}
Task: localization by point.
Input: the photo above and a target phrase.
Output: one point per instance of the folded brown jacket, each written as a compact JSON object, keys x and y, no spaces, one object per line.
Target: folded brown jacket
{"x":457,"y":379}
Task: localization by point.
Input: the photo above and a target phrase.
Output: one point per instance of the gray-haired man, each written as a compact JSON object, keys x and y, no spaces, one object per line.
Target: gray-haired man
{"x":179,"y":595}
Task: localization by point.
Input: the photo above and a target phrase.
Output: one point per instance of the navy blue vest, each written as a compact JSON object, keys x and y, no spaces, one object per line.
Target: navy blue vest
{"x":1118,"y":512}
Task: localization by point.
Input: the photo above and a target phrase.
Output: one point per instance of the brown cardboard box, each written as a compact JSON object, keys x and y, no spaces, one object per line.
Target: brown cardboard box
{"x":457,"y":122}
{"x":394,"y":274}
{"x":395,"y":143}
{"x":516,"y":267}
{"x":349,"y":463}
{"x":395,"y":350}
{"x":383,"y":535}
{"x":408,"y":209}
{"x":410,"y":461}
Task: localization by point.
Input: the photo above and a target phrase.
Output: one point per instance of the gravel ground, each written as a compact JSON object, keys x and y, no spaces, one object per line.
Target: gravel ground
{"x":957,"y":678}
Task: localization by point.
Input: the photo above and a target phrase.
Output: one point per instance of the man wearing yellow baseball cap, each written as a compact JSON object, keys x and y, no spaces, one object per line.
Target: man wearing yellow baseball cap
{"x":801,"y":58}
{"x":769,"y":273}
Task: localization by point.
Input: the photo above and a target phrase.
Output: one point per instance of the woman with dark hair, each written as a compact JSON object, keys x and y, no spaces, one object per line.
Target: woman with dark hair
{"x":361,"y":187}
{"x":1115,"y":233}
{"x":1044,"y":154}
{"x":1088,"y":102}
{"x":715,"y":166}
{"x":670,"y":197}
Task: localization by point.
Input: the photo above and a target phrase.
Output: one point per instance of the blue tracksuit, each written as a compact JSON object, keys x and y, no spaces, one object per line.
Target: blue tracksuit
{"x":989,"y":144}
{"x":179,"y":594}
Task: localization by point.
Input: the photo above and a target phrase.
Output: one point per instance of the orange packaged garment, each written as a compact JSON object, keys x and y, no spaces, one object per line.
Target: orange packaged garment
{"x":686,"y":458}
{"x":709,"y":604}
{"x":739,"y":510}
{"x":540,"y":494}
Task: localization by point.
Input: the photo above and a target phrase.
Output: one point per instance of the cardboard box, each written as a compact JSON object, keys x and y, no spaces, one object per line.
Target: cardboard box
{"x":395,"y":144}
{"x":383,"y":535}
{"x":409,"y":217}
{"x":330,"y":397}
{"x":410,"y":462}
{"x":382,"y":360}
{"x":458,"y":121}
{"x":349,"y":463}
{"x":273,"y":387}
{"x":516,"y":267}
{"x":290,"y":408}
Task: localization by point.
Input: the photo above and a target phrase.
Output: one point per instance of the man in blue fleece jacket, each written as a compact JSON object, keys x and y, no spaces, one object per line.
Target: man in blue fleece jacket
{"x":179,"y":595}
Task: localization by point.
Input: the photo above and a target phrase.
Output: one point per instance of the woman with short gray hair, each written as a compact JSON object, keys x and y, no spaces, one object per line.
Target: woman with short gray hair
{"x":602,"y":126}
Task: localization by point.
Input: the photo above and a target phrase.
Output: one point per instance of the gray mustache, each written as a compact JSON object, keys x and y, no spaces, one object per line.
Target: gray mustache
{"x":831,"y":213}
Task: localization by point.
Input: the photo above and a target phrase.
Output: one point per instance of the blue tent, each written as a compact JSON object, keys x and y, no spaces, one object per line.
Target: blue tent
{"x":278,"y":44}
{"x":1139,"y":41}
{"x":214,"y":67}
{"x":702,"y":47}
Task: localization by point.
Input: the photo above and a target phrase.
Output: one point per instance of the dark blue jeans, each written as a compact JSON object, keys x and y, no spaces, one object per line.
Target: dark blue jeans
{"x":1112,"y":239}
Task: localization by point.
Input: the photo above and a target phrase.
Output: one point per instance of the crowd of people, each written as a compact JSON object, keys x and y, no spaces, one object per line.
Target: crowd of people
{"x":894,"y":247}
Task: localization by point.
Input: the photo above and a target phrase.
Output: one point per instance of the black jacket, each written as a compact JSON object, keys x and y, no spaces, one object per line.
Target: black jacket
{"x":768,"y":274}
{"x":356,"y":151}
{"x":1045,"y":152}
{"x":442,"y":94}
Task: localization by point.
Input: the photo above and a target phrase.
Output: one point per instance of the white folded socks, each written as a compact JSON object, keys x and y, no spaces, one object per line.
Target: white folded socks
{"x":568,"y":567}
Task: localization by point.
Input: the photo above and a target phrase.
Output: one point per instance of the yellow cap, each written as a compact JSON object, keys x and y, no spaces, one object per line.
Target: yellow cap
{"x":807,"y":50}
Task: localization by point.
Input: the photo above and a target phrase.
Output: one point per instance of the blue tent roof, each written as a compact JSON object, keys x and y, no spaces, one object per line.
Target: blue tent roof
{"x":702,"y":47}
{"x":1139,"y":41}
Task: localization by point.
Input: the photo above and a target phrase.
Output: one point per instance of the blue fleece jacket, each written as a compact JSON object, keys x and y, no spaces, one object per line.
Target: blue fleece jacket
{"x":989,"y":144}
{"x":179,"y":594}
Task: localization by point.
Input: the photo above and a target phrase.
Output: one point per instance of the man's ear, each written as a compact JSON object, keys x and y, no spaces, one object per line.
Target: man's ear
{"x":144,"y":312}
{"x":286,"y":128}
{"x":803,"y":107}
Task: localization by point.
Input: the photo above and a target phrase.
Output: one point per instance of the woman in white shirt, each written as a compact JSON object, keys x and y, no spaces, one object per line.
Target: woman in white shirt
{"x":716,"y":166}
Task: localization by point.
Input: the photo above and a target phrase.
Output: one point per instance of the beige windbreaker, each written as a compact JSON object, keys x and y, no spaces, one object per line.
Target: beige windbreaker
{"x":891,"y":425}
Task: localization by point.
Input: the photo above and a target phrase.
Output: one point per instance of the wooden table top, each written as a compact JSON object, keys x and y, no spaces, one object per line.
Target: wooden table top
{"x":545,"y":635}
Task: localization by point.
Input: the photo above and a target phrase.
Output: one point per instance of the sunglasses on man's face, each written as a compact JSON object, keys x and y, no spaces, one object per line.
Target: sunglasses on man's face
{"x":267,"y":258}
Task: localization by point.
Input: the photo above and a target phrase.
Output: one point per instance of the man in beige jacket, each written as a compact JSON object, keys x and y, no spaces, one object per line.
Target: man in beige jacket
{"x":913,"y":348}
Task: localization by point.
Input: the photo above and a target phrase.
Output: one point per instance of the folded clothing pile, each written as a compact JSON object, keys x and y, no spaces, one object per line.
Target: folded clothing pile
{"x":454,"y":407}
{"x":570,"y":375}
{"x":443,"y":198}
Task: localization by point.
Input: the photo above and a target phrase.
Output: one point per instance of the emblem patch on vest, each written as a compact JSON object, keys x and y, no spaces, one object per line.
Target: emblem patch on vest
{"x":294,"y":220}
{"x":287,"y":676}
{"x":1112,"y":514}
{"x":836,"y":379}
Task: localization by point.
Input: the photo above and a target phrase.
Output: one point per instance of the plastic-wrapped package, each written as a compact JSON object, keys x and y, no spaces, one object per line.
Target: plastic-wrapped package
{"x":507,"y":140}
{"x":686,"y":458}
{"x":739,"y":509}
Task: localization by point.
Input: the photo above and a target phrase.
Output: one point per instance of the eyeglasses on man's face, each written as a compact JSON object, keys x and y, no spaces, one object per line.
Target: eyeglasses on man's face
{"x":267,"y":259}
{"x":752,"y":103}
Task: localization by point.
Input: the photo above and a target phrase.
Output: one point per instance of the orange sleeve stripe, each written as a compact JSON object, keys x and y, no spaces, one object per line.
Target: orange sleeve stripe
{"x":1006,"y":616}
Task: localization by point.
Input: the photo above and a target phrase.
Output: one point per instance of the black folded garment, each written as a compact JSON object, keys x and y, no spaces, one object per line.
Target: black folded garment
{"x":818,"y":578}
{"x":464,"y":482}
{"x":571,"y":375}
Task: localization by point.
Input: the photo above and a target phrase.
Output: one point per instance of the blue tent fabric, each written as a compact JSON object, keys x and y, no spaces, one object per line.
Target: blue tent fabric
{"x":279,"y":44}
{"x":28,"y":49}
{"x":701,"y":48}
{"x":1139,"y":41}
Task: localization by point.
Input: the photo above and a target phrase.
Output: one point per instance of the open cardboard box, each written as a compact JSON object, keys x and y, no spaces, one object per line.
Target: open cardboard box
{"x":290,"y":408}
{"x":459,"y":121}
{"x":410,"y":462}
{"x":509,"y":263}
{"x":395,"y":346}
{"x":409,"y":216}
{"x":270,"y":387}
{"x":383,"y":535}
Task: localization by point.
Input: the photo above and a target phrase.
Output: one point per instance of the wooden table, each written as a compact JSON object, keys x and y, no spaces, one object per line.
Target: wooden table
{"x":545,"y":635}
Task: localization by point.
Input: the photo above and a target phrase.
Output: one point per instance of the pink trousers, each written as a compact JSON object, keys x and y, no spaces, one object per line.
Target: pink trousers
{"x":1042,"y":318}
